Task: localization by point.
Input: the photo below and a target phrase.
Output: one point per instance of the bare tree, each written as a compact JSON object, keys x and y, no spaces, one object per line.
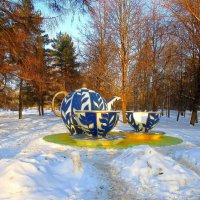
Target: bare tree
{"x":99,"y":52}
{"x":188,"y":31}
{"x":193,"y":7}
{"x":123,"y":15}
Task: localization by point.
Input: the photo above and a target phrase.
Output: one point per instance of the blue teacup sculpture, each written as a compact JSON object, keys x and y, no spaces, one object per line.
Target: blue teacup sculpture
{"x":142,"y":121}
{"x":96,"y":123}
{"x":84,"y":99}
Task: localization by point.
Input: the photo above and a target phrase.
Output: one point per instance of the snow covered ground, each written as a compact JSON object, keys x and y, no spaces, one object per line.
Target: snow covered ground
{"x":31,"y":168}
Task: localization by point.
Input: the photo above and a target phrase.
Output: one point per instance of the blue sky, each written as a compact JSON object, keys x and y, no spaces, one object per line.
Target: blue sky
{"x":70,"y":23}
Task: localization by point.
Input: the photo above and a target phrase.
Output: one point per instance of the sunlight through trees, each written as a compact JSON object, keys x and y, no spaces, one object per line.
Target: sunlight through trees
{"x":147,"y":52}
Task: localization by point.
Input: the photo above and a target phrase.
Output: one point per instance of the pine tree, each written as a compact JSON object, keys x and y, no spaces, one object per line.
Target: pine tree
{"x":64,"y":61}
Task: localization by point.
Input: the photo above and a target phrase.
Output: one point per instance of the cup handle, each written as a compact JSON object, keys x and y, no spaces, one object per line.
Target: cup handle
{"x":53,"y":102}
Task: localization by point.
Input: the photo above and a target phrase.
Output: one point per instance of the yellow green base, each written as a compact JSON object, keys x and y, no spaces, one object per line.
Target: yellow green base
{"x":130,"y":140}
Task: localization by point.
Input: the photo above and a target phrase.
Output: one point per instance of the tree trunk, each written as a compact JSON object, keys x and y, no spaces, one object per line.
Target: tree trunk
{"x":194,"y":118}
{"x":168,"y":113}
{"x":154,"y":106}
{"x":124,"y":100}
{"x":20,"y":99}
{"x":39,"y":109}
{"x":134,"y":95}
{"x":168,"y":106}
{"x":42,"y":105}
{"x":168,"y":102}
{"x":124,"y":110}
{"x":163,"y":107}
{"x":123,"y":32}
{"x":178,"y":116}
{"x":124,"y":81}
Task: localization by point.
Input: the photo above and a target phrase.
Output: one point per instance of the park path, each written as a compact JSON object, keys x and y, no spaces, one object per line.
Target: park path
{"x":111,"y":186}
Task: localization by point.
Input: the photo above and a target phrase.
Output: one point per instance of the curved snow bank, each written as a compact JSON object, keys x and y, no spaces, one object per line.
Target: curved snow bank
{"x":151,"y":175}
{"x":52,"y":176}
{"x":190,"y":158}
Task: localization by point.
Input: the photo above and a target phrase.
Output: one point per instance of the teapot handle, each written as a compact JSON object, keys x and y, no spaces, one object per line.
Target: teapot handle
{"x":53,"y":102}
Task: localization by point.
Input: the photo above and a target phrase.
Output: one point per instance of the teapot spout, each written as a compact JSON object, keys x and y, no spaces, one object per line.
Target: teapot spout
{"x":111,"y":101}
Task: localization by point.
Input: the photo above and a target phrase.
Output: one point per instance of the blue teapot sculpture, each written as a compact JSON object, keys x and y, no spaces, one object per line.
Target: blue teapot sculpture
{"x":85,"y":100}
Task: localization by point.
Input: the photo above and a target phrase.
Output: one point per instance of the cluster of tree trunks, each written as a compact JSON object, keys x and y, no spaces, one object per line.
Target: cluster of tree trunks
{"x":151,"y":53}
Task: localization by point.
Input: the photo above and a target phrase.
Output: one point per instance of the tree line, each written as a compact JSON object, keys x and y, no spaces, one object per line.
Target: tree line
{"x":30,"y":70}
{"x":147,"y":52}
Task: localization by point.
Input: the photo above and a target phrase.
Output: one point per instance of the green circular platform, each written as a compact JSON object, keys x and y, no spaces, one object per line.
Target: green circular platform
{"x":129,"y":140}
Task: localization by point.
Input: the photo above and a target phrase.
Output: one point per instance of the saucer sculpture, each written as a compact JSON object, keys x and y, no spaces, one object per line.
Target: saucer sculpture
{"x":96,"y":123}
{"x":129,"y":140}
{"x":142,"y":121}
{"x":81,"y":99}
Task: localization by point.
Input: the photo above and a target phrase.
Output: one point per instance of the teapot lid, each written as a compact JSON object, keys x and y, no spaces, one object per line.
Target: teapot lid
{"x":84,"y":85}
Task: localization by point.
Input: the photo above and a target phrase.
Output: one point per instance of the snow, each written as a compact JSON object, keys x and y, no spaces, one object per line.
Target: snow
{"x":156,"y":176}
{"x":31,"y":168}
